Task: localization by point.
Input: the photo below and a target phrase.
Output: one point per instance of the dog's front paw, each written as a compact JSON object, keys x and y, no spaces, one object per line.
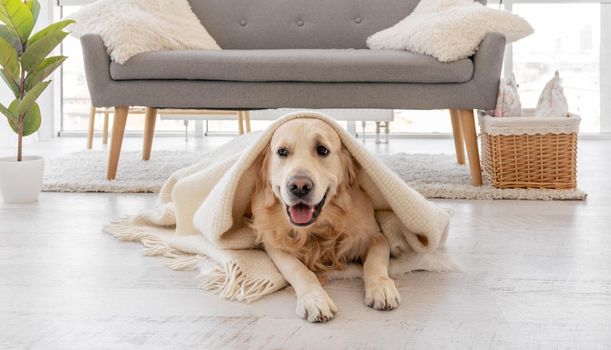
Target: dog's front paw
{"x":382,"y":294}
{"x":316,"y":306}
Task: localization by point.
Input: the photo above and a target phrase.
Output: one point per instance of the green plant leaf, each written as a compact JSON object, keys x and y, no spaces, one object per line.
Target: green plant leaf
{"x":10,"y":82}
{"x":31,"y":121}
{"x":55,"y":27}
{"x":18,"y":18}
{"x":34,"y":7}
{"x":9,"y":59}
{"x":11,"y":38}
{"x":8,"y":113}
{"x":30,"y":98}
{"x":43,"y":70}
{"x":35,"y":53}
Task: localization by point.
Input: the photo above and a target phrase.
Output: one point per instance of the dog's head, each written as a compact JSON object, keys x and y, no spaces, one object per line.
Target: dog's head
{"x":306,"y":166}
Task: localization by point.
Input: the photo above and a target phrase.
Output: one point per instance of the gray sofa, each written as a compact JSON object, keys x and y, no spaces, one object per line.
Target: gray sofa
{"x":296,"y":54}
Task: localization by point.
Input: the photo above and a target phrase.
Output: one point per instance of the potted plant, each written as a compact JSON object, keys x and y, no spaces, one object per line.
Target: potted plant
{"x":24,"y":68}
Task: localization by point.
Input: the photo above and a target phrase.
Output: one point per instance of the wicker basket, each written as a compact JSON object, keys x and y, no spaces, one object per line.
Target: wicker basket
{"x":529,"y":152}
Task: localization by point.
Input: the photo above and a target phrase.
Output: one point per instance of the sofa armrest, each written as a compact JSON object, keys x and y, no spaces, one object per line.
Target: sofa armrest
{"x":487,"y":66}
{"x":488,"y":59}
{"x":97,"y":66}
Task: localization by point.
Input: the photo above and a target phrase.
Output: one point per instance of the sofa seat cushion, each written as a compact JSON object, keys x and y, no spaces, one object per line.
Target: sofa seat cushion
{"x":297,"y":65}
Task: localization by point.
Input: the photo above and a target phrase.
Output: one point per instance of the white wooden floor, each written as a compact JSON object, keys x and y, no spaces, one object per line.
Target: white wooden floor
{"x":536,"y":275}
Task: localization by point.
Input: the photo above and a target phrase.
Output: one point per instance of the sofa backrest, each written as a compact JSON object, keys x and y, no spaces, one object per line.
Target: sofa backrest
{"x":293,"y":24}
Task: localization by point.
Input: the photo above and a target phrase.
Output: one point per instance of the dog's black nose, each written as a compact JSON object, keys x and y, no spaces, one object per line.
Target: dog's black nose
{"x":300,"y":186}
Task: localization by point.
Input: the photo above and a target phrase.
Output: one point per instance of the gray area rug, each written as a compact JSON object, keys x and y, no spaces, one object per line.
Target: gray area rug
{"x":434,"y":176}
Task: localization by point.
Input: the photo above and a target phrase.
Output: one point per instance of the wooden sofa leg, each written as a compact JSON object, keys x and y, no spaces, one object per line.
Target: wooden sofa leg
{"x":116,"y":140}
{"x":105,"y":132}
{"x":459,"y":142}
{"x":247,"y":120}
{"x":467,"y":122}
{"x":149,"y":131}
{"x":241,"y":122}
{"x":91,"y":127}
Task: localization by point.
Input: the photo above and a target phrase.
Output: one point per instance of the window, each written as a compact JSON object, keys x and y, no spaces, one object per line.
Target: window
{"x":75,"y":96}
{"x":567,"y":39}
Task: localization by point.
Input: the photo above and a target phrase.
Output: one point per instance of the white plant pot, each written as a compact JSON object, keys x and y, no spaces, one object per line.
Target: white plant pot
{"x":20,"y":182}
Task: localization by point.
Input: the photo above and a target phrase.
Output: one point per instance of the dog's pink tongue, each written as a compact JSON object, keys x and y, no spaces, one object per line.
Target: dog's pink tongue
{"x":301,"y":213}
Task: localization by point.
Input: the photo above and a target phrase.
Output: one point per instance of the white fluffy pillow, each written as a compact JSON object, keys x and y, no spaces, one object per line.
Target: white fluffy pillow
{"x":130,"y":27}
{"x":449,"y":29}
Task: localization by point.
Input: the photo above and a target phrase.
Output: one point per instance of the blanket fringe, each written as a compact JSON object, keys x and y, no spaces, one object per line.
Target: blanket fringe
{"x":155,"y":246}
{"x":229,"y":282}
{"x":184,"y":263}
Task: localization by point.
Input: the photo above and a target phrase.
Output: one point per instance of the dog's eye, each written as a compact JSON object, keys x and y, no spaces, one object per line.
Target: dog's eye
{"x":283,"y":152}
{"x":322,"y":150}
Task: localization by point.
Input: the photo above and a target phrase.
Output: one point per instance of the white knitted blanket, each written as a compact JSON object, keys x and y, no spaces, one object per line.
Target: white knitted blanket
{"x":200,"y":220}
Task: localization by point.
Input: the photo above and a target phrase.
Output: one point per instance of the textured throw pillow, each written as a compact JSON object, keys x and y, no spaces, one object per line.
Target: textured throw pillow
{"x":130,"y":27}
{"x":552,"y":102}
{"x":449,"y":30}
{"x":508,"y":102}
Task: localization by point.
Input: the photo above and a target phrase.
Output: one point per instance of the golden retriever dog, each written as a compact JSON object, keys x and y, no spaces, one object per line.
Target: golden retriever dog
{"x":311,"y":216}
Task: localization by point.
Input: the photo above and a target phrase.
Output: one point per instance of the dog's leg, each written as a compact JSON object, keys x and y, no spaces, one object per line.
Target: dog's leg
{"x":380,"y":290}
{"x":313,"y":302}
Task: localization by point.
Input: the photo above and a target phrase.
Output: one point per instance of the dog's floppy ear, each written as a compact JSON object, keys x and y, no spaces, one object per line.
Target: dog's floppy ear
{"x":261,"y":171}
{"x":351,"y":167}
{"x":260,"y":166}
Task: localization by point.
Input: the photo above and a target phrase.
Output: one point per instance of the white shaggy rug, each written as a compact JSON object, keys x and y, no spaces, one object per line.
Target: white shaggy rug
{"x":435,"y":176}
